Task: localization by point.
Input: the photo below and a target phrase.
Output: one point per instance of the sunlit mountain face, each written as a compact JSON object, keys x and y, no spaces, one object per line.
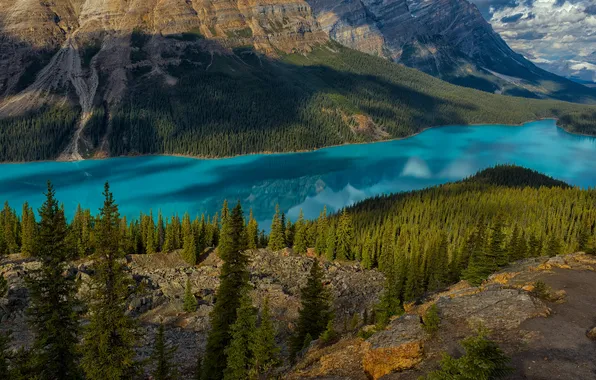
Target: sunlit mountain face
{"x":557,"y":35}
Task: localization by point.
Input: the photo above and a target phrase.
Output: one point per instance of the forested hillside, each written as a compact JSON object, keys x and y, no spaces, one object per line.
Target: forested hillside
{"x":224,"y":104}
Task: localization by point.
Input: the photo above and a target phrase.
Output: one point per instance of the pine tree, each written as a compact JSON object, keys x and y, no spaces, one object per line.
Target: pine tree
{"x":190,"y":302}
{"x":345,"y":237}
{"x":238,"y":353}
{"x":583,"y":237}
{"x":162,"y":357}
{"x":300,"y":236}
{"x":315,"y":312}
{"x":189,"y":247}
{"x":108,"y":344}
{"x":277,"y":239}
{"x":252,"y":232}
{"x":233,"y":279}
{"x":265,"y":352}
{"x":53,"y":304}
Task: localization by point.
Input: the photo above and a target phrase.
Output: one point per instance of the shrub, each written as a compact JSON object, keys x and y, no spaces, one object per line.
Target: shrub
{"x":484,"y":360}
{"x":431,"y":320}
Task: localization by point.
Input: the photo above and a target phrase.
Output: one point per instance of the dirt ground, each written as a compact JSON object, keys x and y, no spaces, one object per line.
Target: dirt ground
{"x":561,"y":349}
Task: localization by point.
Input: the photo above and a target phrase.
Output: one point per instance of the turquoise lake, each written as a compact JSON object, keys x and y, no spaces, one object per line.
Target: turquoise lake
{"x":334,"y":177}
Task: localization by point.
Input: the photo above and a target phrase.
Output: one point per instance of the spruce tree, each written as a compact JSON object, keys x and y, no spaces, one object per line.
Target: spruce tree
{"x":110,"y":336}
{"x":161,"y":232}
{"x":238,"y":353}
{"x":190,"y":302}
{"x":199,"y":368}
{"x":495,"y":254}
{"x":265,"y":353}
{"x":162,"y":357}
{"x":345,"y":237}
{"x":321,"y":239}
{"x":53,"y":305}
{"x":233,"y":279}
{"x":300,"y":245}
{"x":289,"y":233}
{"x":252,"y":232}
{"x":189,"y":247}
{"x":315,"y":312}
{"x":331,"y":244}
{"x":277,"y":239}
{"x":28,"y":227}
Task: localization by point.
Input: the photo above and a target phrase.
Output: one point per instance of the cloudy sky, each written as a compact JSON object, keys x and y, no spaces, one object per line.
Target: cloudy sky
{"x":559,"y":35}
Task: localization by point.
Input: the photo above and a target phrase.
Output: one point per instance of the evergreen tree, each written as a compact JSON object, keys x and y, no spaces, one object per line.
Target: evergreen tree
{"x":238,"y":353}
{"x":162,"y":357}
{"x":161,"y":232}
{"x":28,"y":227}
{"x":331,"y":244}
{"x":315,"y":312}
{"x":190,"y":302}
{"x":189,"y":247}
{"x":3,"y":286}
{"x":252,"y":232}
{"x":345,"y":237}
{"x":300,"y":236}
{"x":321,"y":239}
{"x":108,"y":344}
{"x":553,"y":246}
{"x":495,"y":254}
{"x":233,"y":279}
{"x":277,"y":239}
{"x":53,"y":305}
{"x":583,"y":237}
{"x":289,"y":232}
{"x":265,"y":352}
{"x":150,"y":246}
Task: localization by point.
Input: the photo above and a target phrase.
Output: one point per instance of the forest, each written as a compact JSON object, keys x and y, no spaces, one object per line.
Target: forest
{"x":422,"y":241}
{"x":244,"y":102}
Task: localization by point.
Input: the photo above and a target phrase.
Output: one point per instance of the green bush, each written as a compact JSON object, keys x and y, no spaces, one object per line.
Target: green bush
{"x":484,"y":360}
{"x":431,"y":320}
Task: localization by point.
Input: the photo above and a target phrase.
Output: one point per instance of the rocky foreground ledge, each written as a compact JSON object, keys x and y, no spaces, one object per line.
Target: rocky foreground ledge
{"x":547,"y":333}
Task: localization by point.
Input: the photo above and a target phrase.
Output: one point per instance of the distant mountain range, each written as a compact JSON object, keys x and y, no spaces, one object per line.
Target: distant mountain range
{"x":82,"y":78}
{"x":449,"y":39}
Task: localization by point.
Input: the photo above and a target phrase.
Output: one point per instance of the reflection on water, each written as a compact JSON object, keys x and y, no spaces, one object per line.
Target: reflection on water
{"x":332,"y":177}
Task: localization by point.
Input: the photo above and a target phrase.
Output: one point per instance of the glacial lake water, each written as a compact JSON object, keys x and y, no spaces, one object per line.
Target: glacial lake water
{"x":335,"y":177}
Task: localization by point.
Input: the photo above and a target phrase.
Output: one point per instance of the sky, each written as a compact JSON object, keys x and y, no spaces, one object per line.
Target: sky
{"x":558,"y":35}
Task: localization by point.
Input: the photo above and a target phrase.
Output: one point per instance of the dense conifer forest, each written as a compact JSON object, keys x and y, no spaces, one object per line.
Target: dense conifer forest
{"x":238,"y":103}
{"x":422,"y":241}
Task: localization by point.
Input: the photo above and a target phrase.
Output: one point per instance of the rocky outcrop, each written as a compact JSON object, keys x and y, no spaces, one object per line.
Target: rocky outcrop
{"x":275,"y":276}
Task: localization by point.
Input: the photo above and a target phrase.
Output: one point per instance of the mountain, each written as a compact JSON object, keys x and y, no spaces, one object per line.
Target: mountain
{"x":108,"y":78}
{"x":446,"y":38}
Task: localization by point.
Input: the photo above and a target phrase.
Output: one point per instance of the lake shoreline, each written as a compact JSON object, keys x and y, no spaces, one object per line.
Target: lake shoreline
{"x":291,"y":152}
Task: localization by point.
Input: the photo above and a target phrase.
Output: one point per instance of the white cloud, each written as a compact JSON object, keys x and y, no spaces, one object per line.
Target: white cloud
{"x":547,"y":31}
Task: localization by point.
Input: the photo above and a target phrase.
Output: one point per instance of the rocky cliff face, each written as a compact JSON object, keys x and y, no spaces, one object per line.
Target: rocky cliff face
{"x":50,"y":49}
{"x":445,"y":38}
